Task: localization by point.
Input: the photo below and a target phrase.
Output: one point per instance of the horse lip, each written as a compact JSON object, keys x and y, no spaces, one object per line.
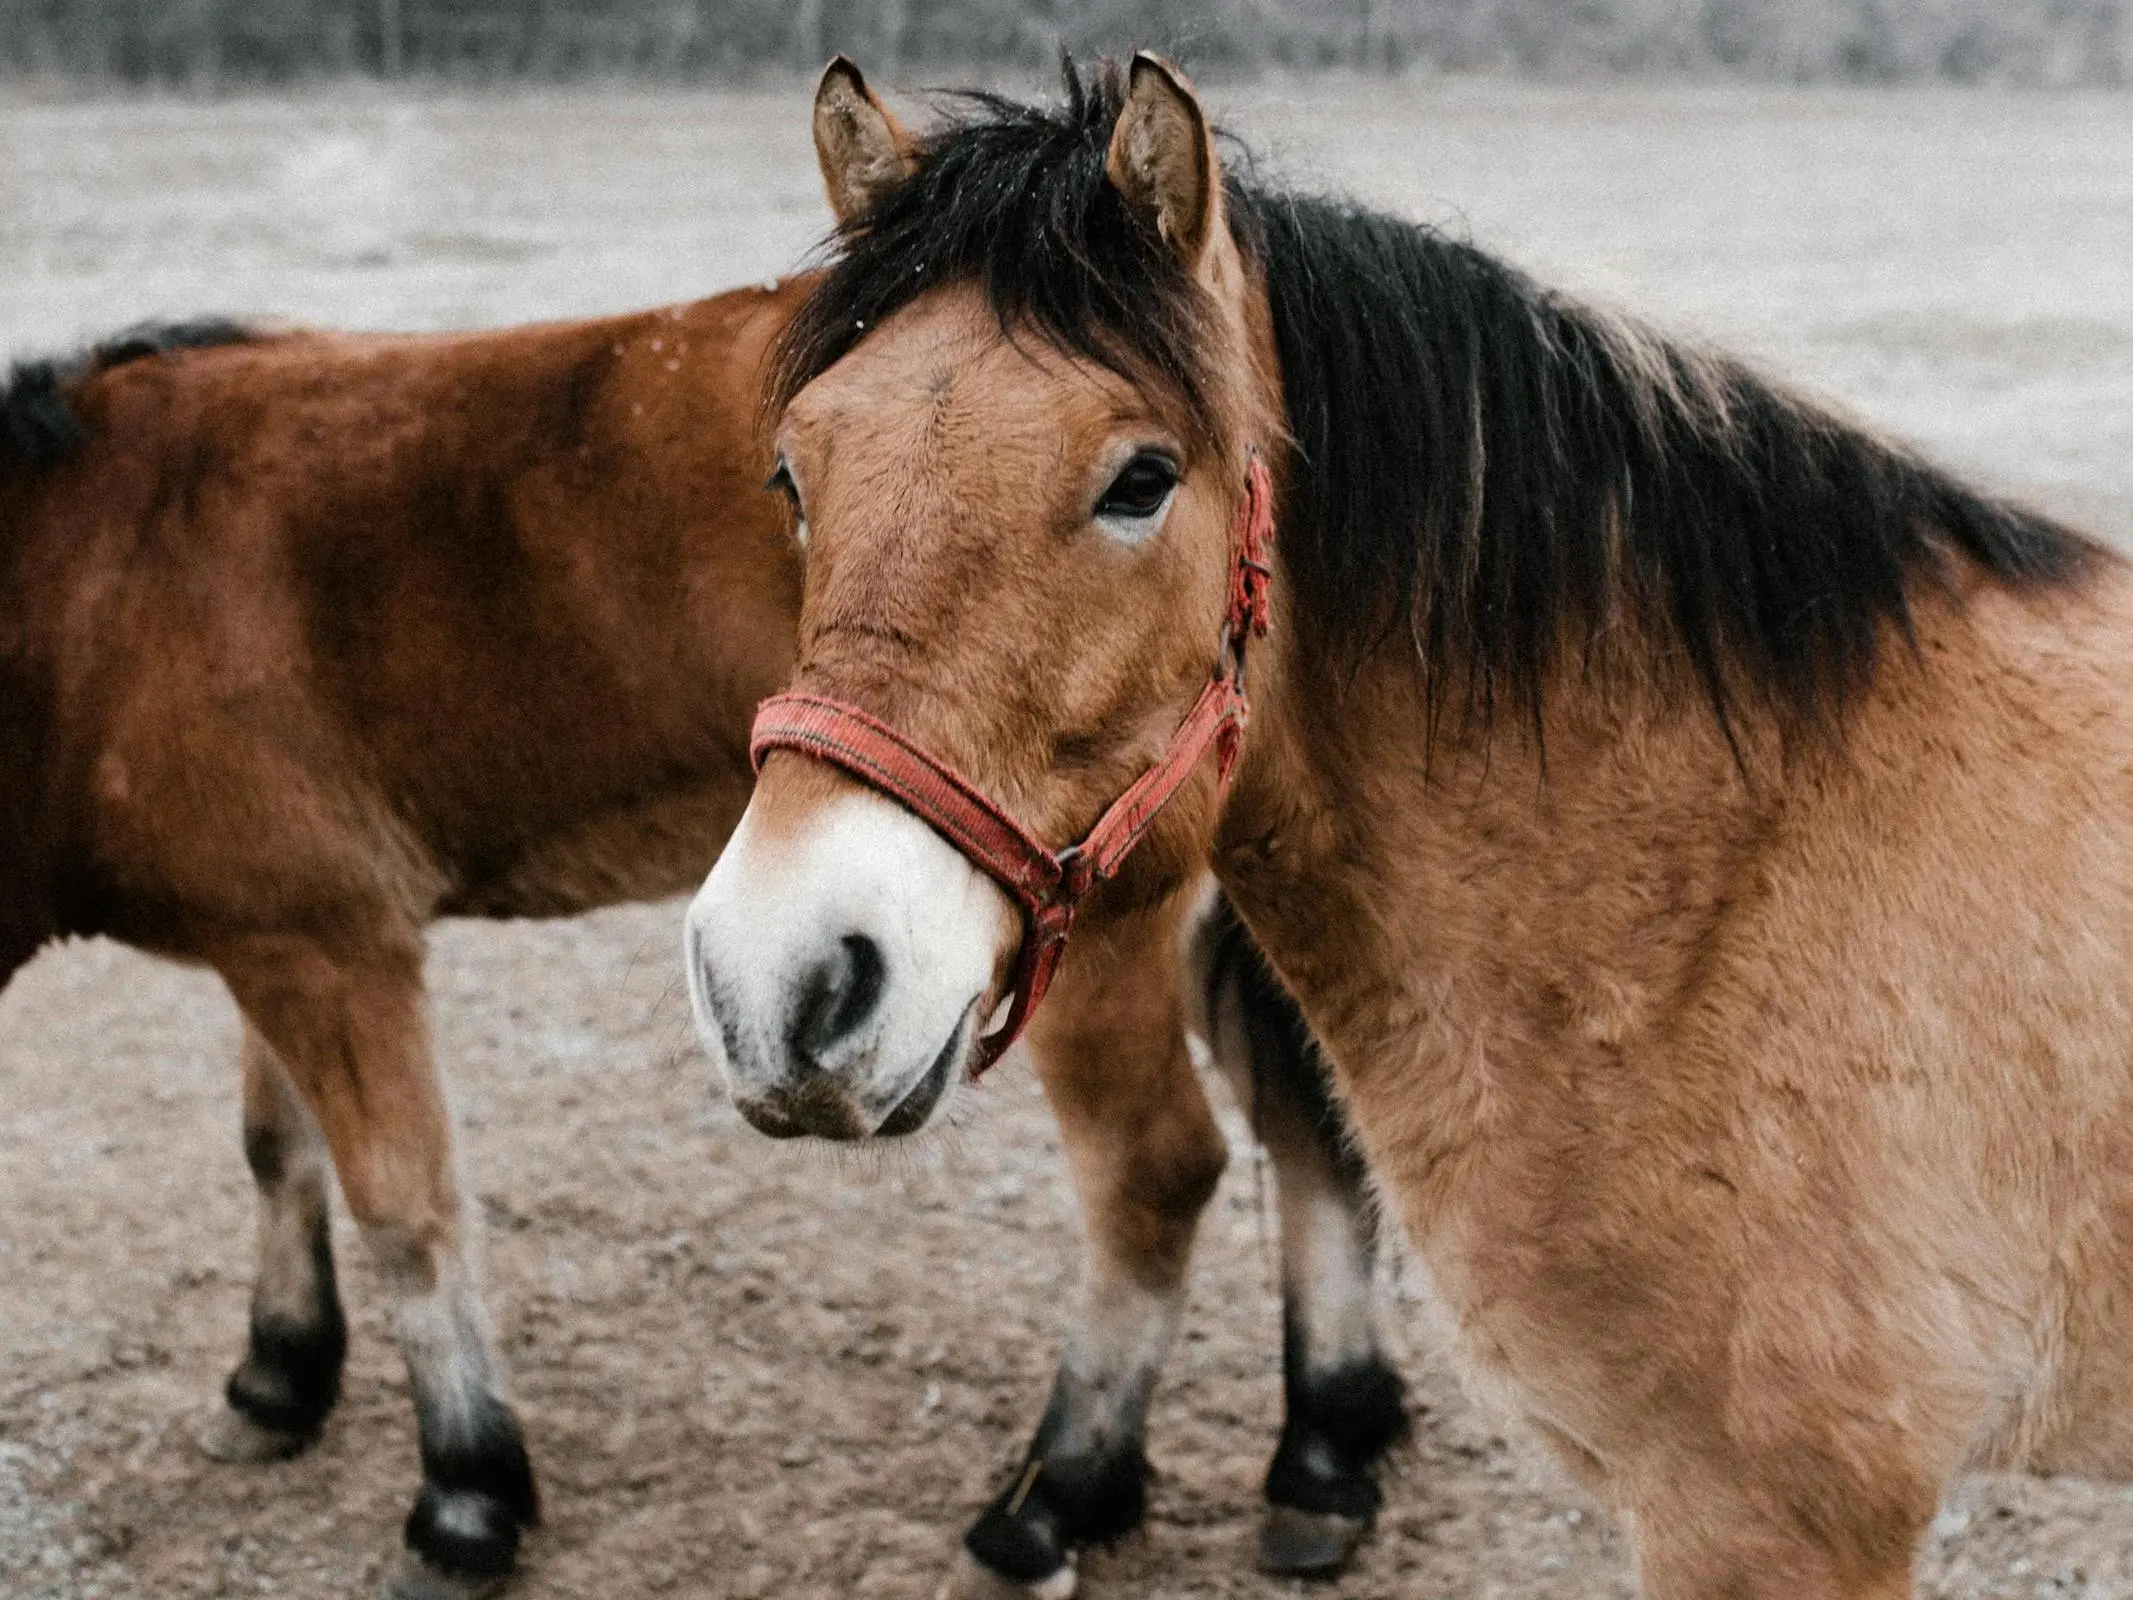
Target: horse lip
{"x":911,"y":1112}
{"x":768,"y":1120}
{"x":814,"y":1111}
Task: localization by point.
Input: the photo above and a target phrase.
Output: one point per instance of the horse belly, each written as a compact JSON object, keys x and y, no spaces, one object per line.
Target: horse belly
{"x":649,"y":851}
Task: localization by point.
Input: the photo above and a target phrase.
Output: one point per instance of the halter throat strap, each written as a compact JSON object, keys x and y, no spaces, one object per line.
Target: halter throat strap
{"x":1049,"y":885}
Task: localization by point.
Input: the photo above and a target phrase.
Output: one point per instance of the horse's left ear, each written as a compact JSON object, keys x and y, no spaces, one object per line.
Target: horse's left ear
{"x":863,"y":150}
{"x":1162,"y":157}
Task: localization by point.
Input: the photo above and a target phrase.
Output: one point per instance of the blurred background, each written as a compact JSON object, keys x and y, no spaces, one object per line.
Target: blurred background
{"x":216,"y":42}
{"x":1923,"y":208}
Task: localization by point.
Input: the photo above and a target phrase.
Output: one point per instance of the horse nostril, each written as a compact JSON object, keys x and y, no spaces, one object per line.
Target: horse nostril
{"x":838,"y":996}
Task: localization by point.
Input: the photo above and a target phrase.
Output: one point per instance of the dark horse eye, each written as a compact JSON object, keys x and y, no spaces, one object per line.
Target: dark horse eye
{"x":780,"y":479}
{"x":1142,"y":489}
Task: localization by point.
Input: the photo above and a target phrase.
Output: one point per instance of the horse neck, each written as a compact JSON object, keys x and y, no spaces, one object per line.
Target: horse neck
{"x":1458,"y":915}
{"x":1422,"y":894}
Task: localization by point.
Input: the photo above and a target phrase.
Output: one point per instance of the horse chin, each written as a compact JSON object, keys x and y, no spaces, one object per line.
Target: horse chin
{"x":932,"y":1092}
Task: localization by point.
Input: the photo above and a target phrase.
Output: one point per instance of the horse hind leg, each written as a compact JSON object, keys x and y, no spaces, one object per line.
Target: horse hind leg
{"x":278,"y":1399}
{"x":344,"y":1016}
{"x":1345,"y":1404}
{"x":1144,"y":1155}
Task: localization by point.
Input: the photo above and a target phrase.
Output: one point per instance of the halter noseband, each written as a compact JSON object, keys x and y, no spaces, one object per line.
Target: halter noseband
{"x":1048,"y":885}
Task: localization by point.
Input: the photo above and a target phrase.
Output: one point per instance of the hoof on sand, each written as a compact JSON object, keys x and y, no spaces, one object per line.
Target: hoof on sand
{"x":971,"y":1579}
{"x":231,"y":1436}
{"x":413,"y":1578}
{"x":1307,"y":1544}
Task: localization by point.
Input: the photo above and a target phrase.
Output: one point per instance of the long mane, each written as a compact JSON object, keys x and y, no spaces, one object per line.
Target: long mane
{"x":1493,"y":470}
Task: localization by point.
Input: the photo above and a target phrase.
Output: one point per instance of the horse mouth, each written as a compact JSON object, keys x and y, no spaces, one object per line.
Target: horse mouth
{"x":917,"y":1105}
{"x":815,"y":1111}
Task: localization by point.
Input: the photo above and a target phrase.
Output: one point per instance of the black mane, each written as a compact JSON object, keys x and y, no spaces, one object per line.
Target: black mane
{"x":1481,"y":463}
{"x":37,"y":421}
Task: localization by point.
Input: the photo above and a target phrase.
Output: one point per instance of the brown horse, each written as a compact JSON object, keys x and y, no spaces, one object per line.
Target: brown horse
{"x":307,"y":640}
{"x":1701,"y":832}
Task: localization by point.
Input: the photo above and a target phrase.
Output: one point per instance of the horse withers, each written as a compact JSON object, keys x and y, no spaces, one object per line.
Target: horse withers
{"x":308,"y":639}
{"x":1700,"y":831}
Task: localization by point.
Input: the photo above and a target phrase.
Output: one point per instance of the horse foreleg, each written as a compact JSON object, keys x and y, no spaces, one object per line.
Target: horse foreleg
{"x":1345,"y":1403}
{"x":279,"y":1396}
{"x":1144,"y":1155}
{"x":344,"y":1015}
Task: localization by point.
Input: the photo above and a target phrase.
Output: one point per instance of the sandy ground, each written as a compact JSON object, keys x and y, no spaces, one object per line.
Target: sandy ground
{"x":750,"y":1370}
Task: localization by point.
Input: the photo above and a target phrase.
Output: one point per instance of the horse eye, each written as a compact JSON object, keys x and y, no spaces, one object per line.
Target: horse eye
{"x":1142,"y":489}
{"x":781,"y":480}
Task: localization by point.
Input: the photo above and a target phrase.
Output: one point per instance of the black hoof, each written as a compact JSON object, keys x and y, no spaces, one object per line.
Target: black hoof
{"x":291,"y":1377}
{"x":1313,"y":1475}
{"x":415,"y":1579}
{"x":1307,"y":1544}
{"x":1029,"y":1535}
{"x":1322,"y":1487}
{"x":464,"y":1534}
{"x":1022,"y":1536}
{"x":478,"y":1494}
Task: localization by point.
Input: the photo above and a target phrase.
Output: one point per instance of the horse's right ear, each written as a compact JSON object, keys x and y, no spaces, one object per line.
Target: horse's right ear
{"x":863,"y":150}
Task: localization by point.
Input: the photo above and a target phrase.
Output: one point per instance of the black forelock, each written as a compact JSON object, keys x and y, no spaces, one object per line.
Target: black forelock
{"x":37,"y":419}
{"x":1479,"y":463}
{"x":1014,"y":198}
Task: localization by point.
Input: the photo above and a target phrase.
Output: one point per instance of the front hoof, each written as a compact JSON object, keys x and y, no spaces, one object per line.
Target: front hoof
{"x":1027,"y":1537}
{"x":234,"y":1438}
{"x":464,"y":1537}
{"x":1308,"y":1544}
{"x":415,"y":1579}
{"x":1019,"y":1546}
{"x":973,"y":1580}
{"x":1321,"y":1500}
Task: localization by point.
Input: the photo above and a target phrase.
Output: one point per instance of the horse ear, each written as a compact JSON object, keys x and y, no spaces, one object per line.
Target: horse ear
{"x":864,"y":151}
{"x":1162,"y":157}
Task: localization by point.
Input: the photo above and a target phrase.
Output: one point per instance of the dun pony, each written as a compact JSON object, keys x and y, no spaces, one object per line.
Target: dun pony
{"x":1699,"y":830}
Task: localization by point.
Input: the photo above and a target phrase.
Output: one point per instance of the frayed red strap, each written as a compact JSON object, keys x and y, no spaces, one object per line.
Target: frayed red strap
{"x":1049,"y":886}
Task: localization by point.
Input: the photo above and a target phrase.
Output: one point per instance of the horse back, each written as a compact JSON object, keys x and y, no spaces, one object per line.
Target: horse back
{"x":331,"y":620}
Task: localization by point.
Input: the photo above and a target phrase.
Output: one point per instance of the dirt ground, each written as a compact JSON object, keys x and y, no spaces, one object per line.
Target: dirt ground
{"x":749,"y":1370}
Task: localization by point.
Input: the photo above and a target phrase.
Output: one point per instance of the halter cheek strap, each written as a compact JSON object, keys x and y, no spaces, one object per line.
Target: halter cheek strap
{"x":1048,"y":885}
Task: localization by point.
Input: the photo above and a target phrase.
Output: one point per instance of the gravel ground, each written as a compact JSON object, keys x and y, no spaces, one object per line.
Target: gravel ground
{"x":750,"y":1370}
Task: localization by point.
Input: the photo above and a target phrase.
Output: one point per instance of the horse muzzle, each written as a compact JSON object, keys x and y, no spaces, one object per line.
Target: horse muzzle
{"x":837,"y":964}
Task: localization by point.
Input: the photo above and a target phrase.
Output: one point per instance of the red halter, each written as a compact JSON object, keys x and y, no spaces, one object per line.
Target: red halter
{"x":1048,"y":885}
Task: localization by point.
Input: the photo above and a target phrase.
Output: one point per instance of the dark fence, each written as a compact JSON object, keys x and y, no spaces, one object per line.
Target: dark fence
{"x":206,"y":43}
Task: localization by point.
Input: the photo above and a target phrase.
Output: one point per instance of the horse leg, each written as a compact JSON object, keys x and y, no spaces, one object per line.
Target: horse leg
{"x":1144,"y":1155}
{"x":344,"y":1015}
{"x":1345,"y":1404}
{"x":290,"y":1378}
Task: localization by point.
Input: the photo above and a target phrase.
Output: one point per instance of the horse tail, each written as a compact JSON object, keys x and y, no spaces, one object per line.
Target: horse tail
{"x":38,"y":422}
